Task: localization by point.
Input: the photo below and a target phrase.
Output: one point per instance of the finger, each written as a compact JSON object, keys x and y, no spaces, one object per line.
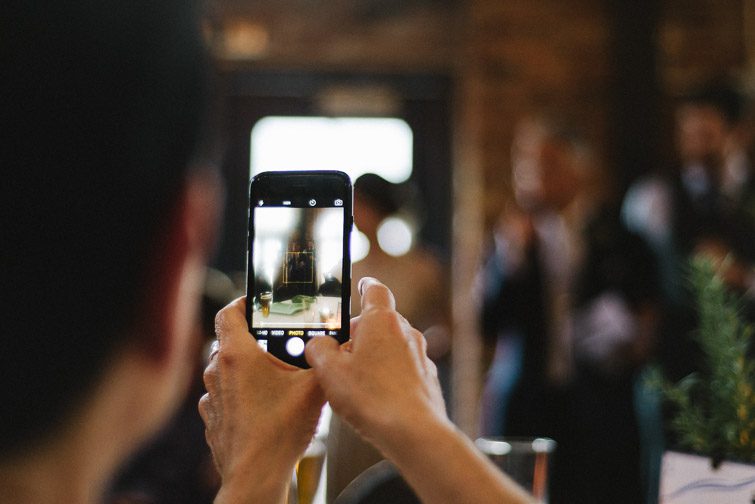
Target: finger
{"x":275,"y":361}
{"x":321,"y":352}
{"x":204,"y":409}
{"x":348,"y":346}
{"x":421,"y":342}
{"x":328,"y":361}
{"x":418,"y":344}
{"x":210,"y":377}
{"x":232,"y":330}
{"x":354,"y":324}
{"x":214,"y":349}
{"x":375,"y":295}
{"x":431,"y":369}
{"x":230,"y":322}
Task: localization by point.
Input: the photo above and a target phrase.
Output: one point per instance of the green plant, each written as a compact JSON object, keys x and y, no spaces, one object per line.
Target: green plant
{"x":715,"y":408}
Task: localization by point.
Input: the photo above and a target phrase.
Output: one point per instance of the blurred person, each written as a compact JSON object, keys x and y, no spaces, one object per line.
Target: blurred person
{"x":109,"y":215}
{"x":704,"y":205}
{"x":568,"y":314}
{"x":417,"y":280}
{"x":110,"y":206}
{"x":418,"y":277}
{"x":707,"y":203}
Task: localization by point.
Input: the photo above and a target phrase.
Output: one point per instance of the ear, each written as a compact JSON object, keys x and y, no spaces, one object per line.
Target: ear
{"x":177,"y":268}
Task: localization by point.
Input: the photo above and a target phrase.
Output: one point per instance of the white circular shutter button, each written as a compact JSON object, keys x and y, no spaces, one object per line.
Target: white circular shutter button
{"x":295,"y":347}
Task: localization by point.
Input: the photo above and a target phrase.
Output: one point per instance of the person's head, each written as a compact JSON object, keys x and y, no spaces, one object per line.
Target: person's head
{"x":105,"y":221}
{"x":705,"y":119}
{"x":548,"y":169}
{"x":374,"y":199}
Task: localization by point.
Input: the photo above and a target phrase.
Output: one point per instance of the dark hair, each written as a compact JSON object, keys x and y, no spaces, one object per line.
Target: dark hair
{"x":102,"y":106}
{"x":378,"y":193}
{"x":721,"y":96}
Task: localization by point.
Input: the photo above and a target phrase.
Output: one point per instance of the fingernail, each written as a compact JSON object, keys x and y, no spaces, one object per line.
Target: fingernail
{"x":360,"y":286}
{"x":214,"y":349}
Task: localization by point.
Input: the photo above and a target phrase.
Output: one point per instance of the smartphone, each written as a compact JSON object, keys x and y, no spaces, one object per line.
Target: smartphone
{"x":299,"y":260}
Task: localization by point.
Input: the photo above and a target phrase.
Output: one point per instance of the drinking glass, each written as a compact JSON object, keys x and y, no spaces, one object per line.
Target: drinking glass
{"x":525,"y":460}
{"x":265,"y":299}
{"x":309,"y":471}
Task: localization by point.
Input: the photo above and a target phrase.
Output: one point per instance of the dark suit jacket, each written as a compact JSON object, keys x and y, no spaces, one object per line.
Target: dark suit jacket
{"x":592,"y":418}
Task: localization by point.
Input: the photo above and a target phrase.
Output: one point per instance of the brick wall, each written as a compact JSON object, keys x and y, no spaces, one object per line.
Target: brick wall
{"x":525,"y":55}
{"x":612,"y":65}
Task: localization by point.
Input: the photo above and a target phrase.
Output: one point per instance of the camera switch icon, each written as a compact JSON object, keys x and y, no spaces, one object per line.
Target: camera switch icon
{"x":338,"y":202}
{"x":312,"y":202}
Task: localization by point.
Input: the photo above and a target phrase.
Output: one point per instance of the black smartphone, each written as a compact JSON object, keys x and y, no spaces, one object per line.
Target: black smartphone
{"x":299,"y":261}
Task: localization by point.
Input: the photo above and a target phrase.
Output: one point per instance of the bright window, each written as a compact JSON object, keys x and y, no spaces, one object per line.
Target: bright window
{"x":352,"y":145}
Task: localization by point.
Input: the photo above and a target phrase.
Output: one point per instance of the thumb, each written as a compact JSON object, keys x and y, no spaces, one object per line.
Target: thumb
{"x":330,"y":364}
{"x":321,"y":352}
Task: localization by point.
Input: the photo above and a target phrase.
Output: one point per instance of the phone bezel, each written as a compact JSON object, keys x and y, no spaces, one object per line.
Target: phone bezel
{"x":293,"y":186}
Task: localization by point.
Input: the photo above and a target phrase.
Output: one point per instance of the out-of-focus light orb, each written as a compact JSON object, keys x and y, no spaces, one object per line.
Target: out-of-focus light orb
{"x":360,"y":246}
{"x":395,"y":236}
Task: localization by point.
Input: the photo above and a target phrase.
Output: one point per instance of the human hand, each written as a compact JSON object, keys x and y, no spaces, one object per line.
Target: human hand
{"x":260,"y":413}
{"x":387,"y":388}
{"x":383,"y":382}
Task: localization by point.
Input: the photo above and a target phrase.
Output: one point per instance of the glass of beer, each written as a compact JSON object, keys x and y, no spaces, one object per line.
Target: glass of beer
{"x":525,"y":460}
{"x":309,"y":471}
{"x":266,"y":298}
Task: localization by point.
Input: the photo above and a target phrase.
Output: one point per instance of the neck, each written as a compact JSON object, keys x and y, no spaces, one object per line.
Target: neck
{"x":76,"y":464}
{"x":60,"y":472}
{"x":47,"y":482}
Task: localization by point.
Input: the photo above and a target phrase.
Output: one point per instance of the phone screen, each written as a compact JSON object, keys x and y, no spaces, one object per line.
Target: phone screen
{"x":299,"y":263}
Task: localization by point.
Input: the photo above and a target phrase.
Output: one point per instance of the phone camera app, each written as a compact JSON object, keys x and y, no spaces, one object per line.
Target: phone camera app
{"x":298,"y":273}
